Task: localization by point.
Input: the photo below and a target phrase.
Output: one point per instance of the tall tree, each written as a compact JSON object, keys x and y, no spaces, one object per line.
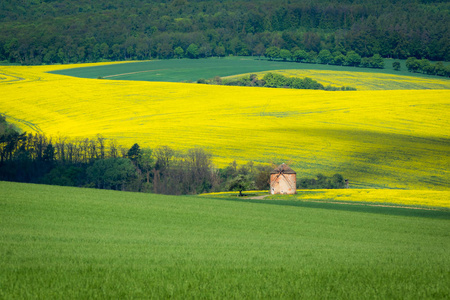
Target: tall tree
{"x":285,"y":54}
{"x":352,"y":59}
{"x":146,"y":162}
{"x":179,"y":52}
{"x":324,"y":57}
{"x":134,"y":153}
{"x":193,"y":51}
{"x":300,"y":55}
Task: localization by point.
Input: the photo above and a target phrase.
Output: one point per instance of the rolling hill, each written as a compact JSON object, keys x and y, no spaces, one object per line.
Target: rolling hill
{"x":386,"y":138}
{"x":72,"y":243}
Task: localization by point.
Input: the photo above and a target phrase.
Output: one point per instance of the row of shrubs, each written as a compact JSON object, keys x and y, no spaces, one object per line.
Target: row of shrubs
{"x":425,"y":66}
{"x":321,"y":181}
{"x":274,"y":80}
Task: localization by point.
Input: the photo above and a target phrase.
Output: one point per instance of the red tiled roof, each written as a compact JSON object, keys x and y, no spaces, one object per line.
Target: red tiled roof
{"x":283,"y":168}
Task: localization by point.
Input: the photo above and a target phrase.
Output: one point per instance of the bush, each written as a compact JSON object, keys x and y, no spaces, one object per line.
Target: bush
{"x":353,"y":59}
{"x":325,"y":57}
{"x":275,"y":80}
{"x":285,"y":54}
{"x":412,"y":64}
{"x":111,"y":173}
{"x":396,"y":65}
{"x":272,"y":52}
{"x":376,"y":61}
{"x":322,"y":182}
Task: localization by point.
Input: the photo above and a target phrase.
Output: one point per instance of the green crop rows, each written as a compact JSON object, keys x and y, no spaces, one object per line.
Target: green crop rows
{"x":67,"y":243}
{"x":177,"y":70}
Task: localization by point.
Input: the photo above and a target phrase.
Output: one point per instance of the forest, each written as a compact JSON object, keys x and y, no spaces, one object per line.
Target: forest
{"x":55,"y":31}
{"x":102,"y":163}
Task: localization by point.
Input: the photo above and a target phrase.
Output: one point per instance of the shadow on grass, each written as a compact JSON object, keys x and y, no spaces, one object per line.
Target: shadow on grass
{"x":356,"y":207}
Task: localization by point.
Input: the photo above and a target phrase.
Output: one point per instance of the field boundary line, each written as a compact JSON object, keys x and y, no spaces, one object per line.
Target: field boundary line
{"x":15,"y":78}
{"x":123,"y":74}
{"x":30,"y":125}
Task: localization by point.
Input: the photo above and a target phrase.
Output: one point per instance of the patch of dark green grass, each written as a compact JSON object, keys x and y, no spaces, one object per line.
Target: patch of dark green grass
{"x":361,"y":207}
{"x":179,"y":70}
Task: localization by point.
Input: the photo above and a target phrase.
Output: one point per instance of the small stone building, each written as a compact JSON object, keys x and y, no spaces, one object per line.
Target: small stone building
{"x":283,"y":180}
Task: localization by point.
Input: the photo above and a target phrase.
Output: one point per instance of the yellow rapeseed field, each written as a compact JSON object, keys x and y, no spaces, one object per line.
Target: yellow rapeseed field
{"x":391,"y":197}
{"x":382,"y":139}
{"x":364,"y":81}
{"x":378,"y":196}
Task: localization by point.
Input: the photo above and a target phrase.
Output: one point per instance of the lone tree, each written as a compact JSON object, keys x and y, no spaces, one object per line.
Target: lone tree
{"x":239,"y":183}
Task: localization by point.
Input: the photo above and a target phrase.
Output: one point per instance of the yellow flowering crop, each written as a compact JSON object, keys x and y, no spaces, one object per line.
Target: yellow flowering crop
{"x":403,"y":197}
{"x":392,"y":139}
{"x":364,"y":81}
{"x":372,"y":196}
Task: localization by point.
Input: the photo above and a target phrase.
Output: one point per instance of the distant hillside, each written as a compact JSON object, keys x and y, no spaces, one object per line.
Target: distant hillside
{"x":56,"y":31}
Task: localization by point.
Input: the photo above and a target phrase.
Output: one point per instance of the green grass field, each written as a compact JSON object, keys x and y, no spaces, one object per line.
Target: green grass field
{"x":69,"y":243}
{"x":178,"y":70}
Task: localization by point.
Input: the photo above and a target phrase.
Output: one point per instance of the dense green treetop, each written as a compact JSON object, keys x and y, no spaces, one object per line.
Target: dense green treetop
{"x":56,"y":31}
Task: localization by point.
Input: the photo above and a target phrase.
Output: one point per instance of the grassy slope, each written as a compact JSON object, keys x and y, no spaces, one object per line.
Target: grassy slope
{"x":395,"y":139}
{"x":78,"y":243}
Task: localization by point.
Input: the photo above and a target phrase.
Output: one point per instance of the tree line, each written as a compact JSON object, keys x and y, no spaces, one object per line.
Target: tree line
{"x":426,"y":67}
{"x":103,"y":164}
{"x":321,"y":181}
{"x":55,"y":31}
{"x":351,"y":58}
{"x":274,"y":80}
